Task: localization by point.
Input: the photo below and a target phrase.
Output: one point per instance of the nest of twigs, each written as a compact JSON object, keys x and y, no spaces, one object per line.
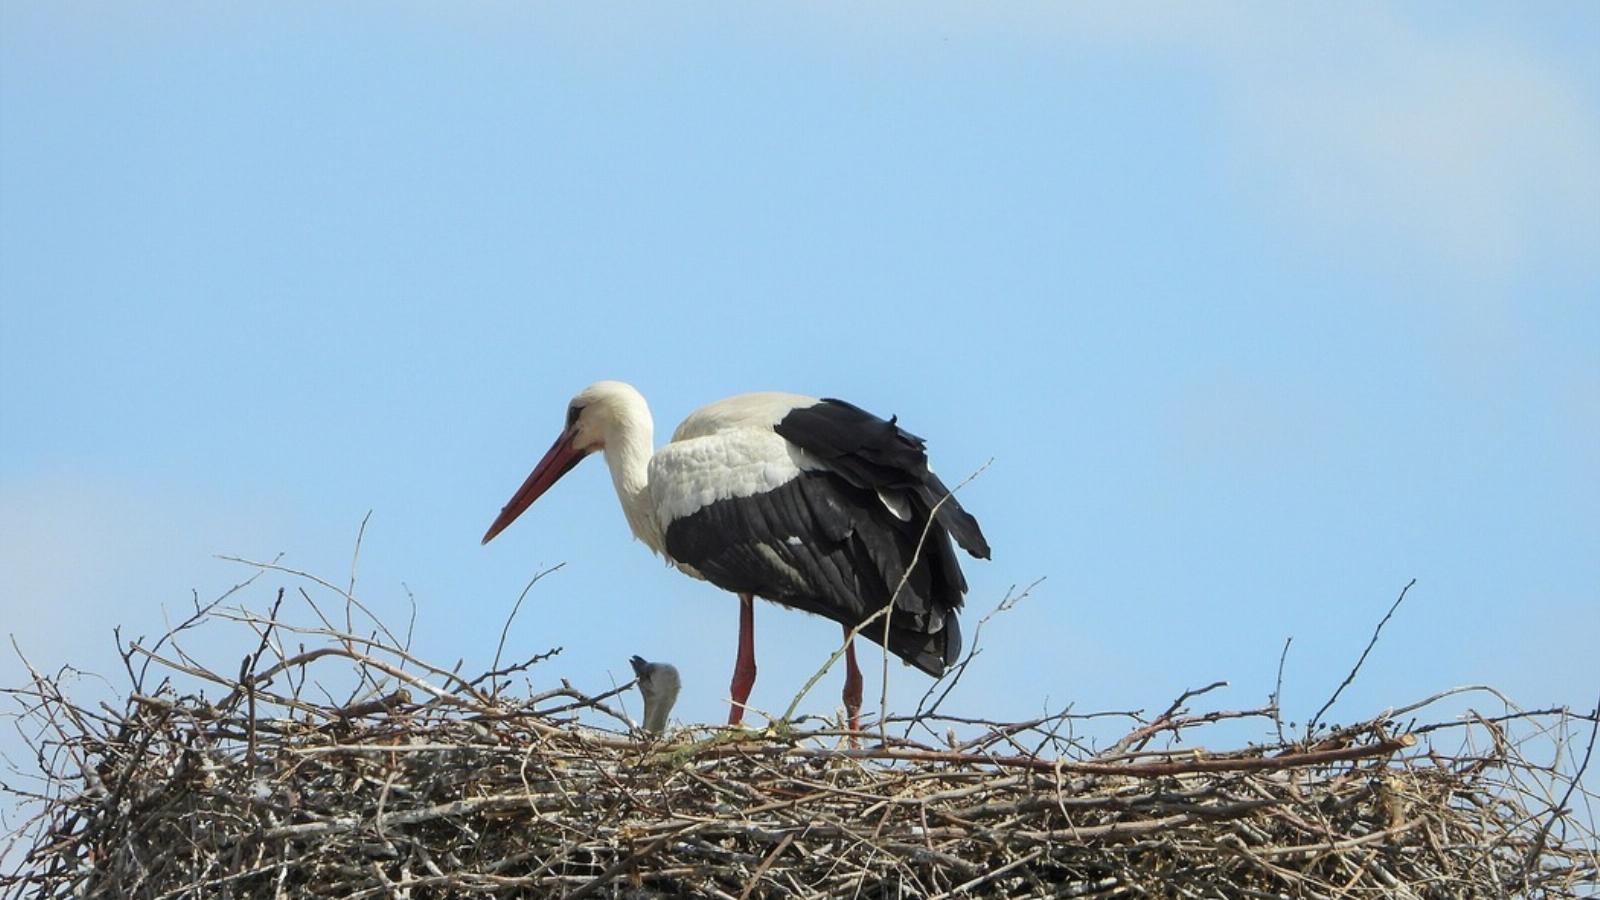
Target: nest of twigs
{"x":426,"y":783}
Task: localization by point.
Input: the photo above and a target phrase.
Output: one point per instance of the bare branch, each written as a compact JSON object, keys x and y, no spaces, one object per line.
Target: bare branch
{"x":494,"y":673}
{"x":1311,"y":726}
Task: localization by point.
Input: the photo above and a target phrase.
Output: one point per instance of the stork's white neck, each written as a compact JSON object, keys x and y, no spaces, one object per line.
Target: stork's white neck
{"x":628,"y":448}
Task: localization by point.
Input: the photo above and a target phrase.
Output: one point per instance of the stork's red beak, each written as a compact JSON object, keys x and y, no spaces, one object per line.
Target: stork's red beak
{"x":557,"y":462}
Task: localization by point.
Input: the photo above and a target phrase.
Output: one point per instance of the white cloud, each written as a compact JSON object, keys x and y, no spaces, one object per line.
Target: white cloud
{"x":1474,"y":151}
{"x":1464,"y":144}
{"x":1456,"y":140}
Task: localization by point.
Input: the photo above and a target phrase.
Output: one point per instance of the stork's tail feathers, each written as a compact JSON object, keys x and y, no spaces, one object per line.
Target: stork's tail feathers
{"x":932,"y":653}
{"x":956,"y":520}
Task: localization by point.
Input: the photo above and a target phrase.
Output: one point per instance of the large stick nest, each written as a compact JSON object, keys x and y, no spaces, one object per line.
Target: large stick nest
{"x":425,"y":783}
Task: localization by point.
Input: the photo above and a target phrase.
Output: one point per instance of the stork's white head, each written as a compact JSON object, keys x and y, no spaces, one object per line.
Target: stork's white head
{"x":604,"y":412}
{"x":604,"y":409}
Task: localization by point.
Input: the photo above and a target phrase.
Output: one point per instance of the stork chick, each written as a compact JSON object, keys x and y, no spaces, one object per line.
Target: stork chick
{"x":658,"y":684}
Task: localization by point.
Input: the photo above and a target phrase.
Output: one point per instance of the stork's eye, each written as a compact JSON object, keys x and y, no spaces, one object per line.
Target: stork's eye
{"x":572,"y":414}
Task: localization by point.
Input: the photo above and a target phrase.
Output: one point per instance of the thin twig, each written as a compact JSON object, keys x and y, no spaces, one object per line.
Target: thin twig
{"x":1277,"y":691}
{"x":1311,"y":726}
{"x":494,"y":684}
{"x":1007,"y":603}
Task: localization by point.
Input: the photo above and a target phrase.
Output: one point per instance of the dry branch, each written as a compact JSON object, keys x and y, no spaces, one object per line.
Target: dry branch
{"x":423,"y":785}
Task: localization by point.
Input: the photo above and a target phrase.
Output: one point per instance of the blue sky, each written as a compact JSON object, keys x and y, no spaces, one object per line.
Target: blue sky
{"x":1261,"y":311}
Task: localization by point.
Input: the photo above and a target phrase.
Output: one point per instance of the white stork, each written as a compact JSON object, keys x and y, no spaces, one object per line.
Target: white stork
{"x":814,"y":504}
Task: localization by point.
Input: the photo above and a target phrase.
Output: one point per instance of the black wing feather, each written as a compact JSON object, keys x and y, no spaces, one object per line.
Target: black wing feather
{"x":816,"y":545}
{"x":873,"y":453}
{"x":826,"y":543}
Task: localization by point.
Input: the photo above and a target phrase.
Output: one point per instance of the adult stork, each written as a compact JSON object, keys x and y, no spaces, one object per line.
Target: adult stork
{"x":814,"y":504}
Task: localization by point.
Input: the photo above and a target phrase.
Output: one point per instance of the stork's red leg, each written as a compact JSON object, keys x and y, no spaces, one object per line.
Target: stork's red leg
{"x":744,"y":667}
{"x":852,"y":682}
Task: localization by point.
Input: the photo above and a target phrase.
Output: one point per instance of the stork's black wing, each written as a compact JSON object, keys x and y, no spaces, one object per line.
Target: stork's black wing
{"x":871,"y":453}
{"x":840,"y":540}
